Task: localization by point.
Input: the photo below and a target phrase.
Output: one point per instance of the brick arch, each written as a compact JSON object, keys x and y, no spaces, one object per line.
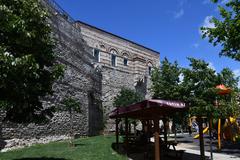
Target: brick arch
{"x":149,"y":63}
{"x":126,"y":54}
{"x":111,"y":49}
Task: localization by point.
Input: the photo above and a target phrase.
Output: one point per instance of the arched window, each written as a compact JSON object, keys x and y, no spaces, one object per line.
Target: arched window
{"x":150,"y":66}
{"x":113,"y":57}
{"x":125,"y":59}
{"x":96,"y":54}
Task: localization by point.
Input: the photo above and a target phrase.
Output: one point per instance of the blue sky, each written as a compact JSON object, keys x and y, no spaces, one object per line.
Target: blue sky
{"x":168,"y":26}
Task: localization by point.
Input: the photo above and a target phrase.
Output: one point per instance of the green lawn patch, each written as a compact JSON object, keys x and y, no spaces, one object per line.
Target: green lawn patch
{"x":92,"y":148}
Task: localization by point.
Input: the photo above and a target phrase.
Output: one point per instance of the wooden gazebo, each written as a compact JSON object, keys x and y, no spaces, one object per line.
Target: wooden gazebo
{"x":153,"y":109}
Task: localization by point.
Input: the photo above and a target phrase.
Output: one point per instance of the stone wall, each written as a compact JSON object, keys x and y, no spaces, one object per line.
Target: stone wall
{"x":134,"y":75}
{"x":81,"y":81}
{"x":94,"y":84}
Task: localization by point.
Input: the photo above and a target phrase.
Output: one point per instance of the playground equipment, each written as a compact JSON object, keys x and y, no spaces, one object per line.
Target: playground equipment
{"x":222,"y":90}
{"x":204,"y":131}
{"x":230,"y":130}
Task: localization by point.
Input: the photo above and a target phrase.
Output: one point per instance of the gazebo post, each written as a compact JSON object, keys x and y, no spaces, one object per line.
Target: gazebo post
{"x":143,"y":125}
{"x":165,"y":129}
{"x":117,"y":132}
{"x":126,"y":132}
{"x":156,"y":139}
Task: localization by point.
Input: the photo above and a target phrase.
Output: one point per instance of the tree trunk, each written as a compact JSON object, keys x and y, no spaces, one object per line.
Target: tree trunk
{"x":156,"y":139}
{"x":165,"y":129}
{"x":175,"y":132}
{"x":210,"y":134}
{"x":135,"y":130}
{"x":201,"y":140}
{"x":117,"y":132}
{"x":126,"y":134}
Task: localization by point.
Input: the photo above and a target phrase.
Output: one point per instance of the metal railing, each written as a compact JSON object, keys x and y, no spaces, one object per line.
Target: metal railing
{"x":59,"y":9}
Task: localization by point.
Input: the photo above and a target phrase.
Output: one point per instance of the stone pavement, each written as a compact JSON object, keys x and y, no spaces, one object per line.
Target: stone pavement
{"x":191,"y":146}
{"x":191,"y":149}
{"x":189,"y":153}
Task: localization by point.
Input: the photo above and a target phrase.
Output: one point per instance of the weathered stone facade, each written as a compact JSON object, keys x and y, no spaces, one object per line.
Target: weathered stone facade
{"x":81,"y":81}
{"x":94,"y":82}
{"x":134,"y":74}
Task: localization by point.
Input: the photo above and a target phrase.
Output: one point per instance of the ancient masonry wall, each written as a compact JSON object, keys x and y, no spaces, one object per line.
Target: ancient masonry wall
{"x":81,"y":80}
{"x":134,"y":75}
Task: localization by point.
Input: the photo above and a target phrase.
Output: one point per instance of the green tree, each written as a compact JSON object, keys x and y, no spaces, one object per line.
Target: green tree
{"x":227,"y":77}
{"x":166,"y":85}
{"x":28,"y":66}
{"x":199,"y":83}
{"x":227,"y":29}
{"x":127,"y":97}
{"x":72,"y":106}
{"x":166,"y":82}
{"x":228,"y":104}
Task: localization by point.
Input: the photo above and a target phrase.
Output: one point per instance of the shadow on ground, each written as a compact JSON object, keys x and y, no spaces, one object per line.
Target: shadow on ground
{"x":230,"y":149}
{"x":185,"y":141}
{"x":146,"y":152}
{"x":2,"y":144}
{"x":79,"y":144}
{"x":41,"y":158}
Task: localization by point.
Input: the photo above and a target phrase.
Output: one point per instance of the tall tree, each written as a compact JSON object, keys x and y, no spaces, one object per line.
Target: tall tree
{"x":228,"y":78}
{"x":166,"y":85}
{"x":27,"y":63}
{"x":127,"y":97}
{"x":199,"y":82}
{"x":227,"y":29}
{"x":165,"y":81}
{"x":228,"y":104}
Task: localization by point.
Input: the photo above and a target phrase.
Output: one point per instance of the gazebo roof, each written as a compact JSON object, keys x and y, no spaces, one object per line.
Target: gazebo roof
{"x":149,"y":109}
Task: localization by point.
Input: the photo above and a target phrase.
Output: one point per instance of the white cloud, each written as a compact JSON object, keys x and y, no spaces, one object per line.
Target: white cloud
{"x":237,"y":74}
{"x":179,"y":14}
{"x":206,"y":2}
{"x":207,"y":23}
{"x":224,"y":1}
{"x":181,"y":77}
{"x":196,"y":45}
{"x":210,"y":65}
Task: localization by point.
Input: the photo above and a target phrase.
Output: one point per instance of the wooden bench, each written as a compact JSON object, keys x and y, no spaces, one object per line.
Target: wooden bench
{"x":166,"y":146}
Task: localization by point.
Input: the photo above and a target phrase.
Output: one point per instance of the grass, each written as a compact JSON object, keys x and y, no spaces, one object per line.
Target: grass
{"x":92,"y":148}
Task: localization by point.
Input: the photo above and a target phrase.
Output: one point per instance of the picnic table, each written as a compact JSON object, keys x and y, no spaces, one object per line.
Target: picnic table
{"x":166,"y":148}
{"x":169,"y":144}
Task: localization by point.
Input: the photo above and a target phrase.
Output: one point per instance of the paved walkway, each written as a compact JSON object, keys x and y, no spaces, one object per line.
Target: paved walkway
{"x":216,"y":156}
{"x":191,"y":146}
{"x":191,"y":149}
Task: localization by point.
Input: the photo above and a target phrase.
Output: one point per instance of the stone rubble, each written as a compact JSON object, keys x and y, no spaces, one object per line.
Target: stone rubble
{"x":16,"y":143}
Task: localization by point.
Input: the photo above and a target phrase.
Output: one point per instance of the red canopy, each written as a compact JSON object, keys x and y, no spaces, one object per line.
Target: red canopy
{"x":222,"y":89}
{"x":149,"y":109}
